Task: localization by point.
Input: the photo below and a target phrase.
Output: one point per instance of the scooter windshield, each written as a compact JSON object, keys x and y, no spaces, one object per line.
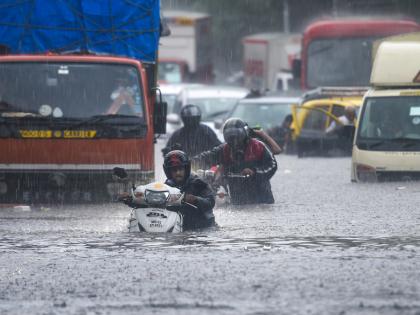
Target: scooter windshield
{"x":156,"y":198}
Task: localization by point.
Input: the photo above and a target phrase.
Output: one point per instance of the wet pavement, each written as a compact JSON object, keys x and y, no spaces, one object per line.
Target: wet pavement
{"x":327,"y":246}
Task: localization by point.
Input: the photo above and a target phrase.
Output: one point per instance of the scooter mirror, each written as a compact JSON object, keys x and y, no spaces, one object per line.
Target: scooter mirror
{"x":120,"y":172}
{"x":210,"y":175}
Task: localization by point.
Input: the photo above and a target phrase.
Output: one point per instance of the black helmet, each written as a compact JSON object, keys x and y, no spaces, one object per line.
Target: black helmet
{"x":236,"y":132}
{"x":191,"y":116}
{"x":176,"y":158}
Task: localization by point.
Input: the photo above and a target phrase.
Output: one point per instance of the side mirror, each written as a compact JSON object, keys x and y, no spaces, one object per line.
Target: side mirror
{"x":173,"y":119}
{"x":296,"y":68}
{"x":159,"y":117}
{"x":119,"y":172}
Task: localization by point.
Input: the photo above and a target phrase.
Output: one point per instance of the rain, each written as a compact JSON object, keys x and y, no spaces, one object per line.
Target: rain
{"x":92,"y":99}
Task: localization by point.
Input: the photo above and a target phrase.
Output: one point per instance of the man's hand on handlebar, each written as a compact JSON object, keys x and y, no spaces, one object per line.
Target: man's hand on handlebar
{"x":123,"y":196}
{"x":126,"y":198}
{"x":190,"y":198}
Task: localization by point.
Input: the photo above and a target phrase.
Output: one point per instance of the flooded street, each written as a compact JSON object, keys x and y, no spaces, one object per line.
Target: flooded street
{"x":92,"y":93}
{"x":326,"y":246}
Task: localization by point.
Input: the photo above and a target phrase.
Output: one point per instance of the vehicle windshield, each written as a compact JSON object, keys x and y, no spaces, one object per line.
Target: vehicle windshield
{"x":391,"y":123}
{"x":215,"y":107}
{"x":169,"y":72}
{"x":339,"y":62}
{"x":262,"y":115}
{"x":69,"y":90}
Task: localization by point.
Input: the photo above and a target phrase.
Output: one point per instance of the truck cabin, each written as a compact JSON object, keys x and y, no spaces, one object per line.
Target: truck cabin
{"x":390,"y":118}
{"x":173,"y":71}
{"x":77,"y":102}
{"x":186,"y":55}
{"x":339,"y":52}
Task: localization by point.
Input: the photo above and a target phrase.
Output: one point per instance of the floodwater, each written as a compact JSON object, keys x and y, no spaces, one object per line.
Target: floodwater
{"x":327,"y":246}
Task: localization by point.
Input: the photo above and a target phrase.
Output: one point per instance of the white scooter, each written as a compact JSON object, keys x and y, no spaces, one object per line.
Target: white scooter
{"x":155,"y":207}
{"x":154,"y":215}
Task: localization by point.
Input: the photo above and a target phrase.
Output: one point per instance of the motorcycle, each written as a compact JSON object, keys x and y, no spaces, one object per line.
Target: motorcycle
{"x":155,"y":207}
{"x":219,"y":182}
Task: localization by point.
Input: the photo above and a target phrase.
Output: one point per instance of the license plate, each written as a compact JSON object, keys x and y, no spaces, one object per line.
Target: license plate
{"x":67,"y":134}
{"x":36,"y":133}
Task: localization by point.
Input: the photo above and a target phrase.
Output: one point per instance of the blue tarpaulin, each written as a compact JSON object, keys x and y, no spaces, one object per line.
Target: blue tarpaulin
{"x":116,"y":27}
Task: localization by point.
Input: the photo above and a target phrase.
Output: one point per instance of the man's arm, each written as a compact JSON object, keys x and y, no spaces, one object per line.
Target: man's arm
{"x":268,"y":166}
{"x":123,"y":98}
{"x":275,"y":148}
{"x":209,"y":158}
{"x":331,"y":127}
{"x":205,"y":202}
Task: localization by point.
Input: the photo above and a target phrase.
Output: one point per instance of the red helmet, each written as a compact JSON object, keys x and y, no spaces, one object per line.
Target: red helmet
{"x":176,"y":158}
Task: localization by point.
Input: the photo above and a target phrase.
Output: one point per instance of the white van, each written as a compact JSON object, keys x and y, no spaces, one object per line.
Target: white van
{"x":387,"y":141}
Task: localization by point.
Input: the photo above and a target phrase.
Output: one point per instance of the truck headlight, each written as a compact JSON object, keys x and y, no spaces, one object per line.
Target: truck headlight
{"x":366,"y":173}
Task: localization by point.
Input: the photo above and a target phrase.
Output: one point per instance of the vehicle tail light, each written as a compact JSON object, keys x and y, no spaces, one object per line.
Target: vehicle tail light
{"x":366,"y":173}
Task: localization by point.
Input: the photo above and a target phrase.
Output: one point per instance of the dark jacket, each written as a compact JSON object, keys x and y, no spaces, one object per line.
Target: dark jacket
{"x":202,"y":216}
{"x":192,"y":141}
{"x":256,"y":156}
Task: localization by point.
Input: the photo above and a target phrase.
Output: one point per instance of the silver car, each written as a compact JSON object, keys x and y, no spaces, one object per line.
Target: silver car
{"x":263,"y":112}
{"x":214,"y":101}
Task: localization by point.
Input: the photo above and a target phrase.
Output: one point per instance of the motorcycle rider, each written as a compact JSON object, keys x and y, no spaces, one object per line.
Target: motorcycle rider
{"x":242,"y":154}
{"x":199,"y":199}
{"x":193,"y":137}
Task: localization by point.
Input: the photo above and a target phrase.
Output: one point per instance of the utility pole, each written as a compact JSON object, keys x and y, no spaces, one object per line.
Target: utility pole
{"x":286,"y":17}
{"x":335,"y":8}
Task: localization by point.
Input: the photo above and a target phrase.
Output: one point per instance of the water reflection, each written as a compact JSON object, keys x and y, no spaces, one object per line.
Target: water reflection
{"x":112,"y":242}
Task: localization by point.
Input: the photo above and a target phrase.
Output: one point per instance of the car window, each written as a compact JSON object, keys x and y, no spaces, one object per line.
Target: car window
{"x":215,"y":107}
{"x":338,"y":110}
{"x":316,"y":119}
{"x":262,"y":115}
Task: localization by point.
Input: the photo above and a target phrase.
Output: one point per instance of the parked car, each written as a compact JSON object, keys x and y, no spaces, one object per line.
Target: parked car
{"x":318,"y":110}
{"x":214,"y":101}
{"x":264,"y":112}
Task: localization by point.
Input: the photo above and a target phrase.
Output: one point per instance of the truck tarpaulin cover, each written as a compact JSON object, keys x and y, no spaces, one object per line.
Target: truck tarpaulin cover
{"x":118,"y":27}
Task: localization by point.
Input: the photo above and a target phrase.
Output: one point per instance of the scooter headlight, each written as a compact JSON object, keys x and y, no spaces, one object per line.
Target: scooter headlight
{"x":156,"y":198}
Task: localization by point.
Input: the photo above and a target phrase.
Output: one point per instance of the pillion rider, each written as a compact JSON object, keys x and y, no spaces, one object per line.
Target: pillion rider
{"x":194,"y":137}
